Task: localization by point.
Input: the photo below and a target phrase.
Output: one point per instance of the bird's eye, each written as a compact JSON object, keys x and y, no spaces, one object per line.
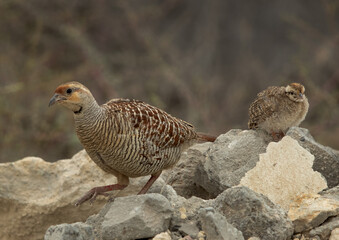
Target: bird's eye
{"x":69,"y":90}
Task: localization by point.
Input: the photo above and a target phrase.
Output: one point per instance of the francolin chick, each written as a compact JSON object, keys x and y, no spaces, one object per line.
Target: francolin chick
{"x":278,"y":108}
{"x":126,"y":138}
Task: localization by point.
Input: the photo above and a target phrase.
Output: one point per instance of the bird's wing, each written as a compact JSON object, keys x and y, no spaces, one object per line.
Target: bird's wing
{"x":153,"y":124}
{"x":263,"y":106}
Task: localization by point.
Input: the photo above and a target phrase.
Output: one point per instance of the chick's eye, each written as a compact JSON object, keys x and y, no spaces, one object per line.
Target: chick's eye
{"x":69,"y":91}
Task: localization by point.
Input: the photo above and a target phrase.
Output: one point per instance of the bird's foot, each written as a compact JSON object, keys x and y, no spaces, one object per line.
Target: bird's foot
{"x":90,"y":196}
{"x":111,"y":199}
{"x":277,"y":136}
{"x":94,"y":192}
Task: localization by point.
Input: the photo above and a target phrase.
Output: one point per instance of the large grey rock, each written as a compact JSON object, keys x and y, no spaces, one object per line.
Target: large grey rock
{"x":228,"y":159}
{"x":133,"y":217}
{"x":75,"y":231}
{"x":216,"y":226}
{"x":254,"y":214}
{"x":181,"y":176}
{"x":326,"y":159}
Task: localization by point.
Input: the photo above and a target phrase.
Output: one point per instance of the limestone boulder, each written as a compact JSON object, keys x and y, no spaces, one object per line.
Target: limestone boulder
{"x":284,"y":172}
{"x":35,"y":194}
{"x":326,"y":159}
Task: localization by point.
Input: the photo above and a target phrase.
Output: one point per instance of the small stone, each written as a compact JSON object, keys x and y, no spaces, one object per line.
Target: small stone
{"x":183,"y":213}
{"x":189,"y":228}
{"x":201,"y":234}
{"x":334,"y":234}
{"x":75,"y":231}
{"x":216,"y":227}
{"x":163,"y":236}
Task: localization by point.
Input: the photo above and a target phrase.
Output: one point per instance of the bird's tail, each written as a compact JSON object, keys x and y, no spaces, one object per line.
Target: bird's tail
{"x":202,"y":137}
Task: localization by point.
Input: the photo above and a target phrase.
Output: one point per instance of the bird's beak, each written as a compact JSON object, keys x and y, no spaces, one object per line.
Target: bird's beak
{"x":300,"y":95}
{"x":56,"y":98}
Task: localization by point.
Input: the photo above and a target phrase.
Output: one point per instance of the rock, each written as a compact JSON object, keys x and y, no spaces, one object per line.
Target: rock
{"x":189,"y":228}
{"x":326,"y":159}
{"x":185,"y":219}
{"x":335,"y":234}
{"x":331,"y":193}
{"x":325,"y":229}
{"x":228,"y":159}
{"x":75,"y":231}
{"x":42,"y":194}
{"x":310,"y":211}
{"x":253,"y":214}
{"x":181,"y":176}
{"x":133,"y":217}
{"x":216,"y":227}
{"x":284,"y":172}
{"x":162,"y":236}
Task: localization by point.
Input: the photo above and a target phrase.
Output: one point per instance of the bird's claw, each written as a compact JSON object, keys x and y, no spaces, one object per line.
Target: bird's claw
{"x":90,"y":196}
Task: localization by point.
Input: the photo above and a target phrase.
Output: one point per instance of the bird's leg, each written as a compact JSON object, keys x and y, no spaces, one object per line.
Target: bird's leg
{"x":282,"y":134}
{"x":94,"y":192}
{"x":149,"y":183}
{"x":275,"y":137}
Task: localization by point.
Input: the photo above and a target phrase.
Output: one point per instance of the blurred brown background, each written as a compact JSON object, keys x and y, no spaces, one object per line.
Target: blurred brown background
{"x":202,"y":61}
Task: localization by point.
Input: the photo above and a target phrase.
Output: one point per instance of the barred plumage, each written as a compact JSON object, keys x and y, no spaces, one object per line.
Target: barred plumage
{"x":278,"y":108}
{"x":127,"y":138}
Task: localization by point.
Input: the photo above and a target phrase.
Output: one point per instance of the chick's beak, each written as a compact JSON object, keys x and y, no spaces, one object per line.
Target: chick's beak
{"x":56,"y":98}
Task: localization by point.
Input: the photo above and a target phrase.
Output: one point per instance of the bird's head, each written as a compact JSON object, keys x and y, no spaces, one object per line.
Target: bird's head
{"x":72,"y":95}
{"x":296,"y":92}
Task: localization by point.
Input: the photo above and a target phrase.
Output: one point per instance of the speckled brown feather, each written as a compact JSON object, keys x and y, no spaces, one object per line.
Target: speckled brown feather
{"x":153,"y":123}
{"x":263,"y":107}
{"x":276,"y":109}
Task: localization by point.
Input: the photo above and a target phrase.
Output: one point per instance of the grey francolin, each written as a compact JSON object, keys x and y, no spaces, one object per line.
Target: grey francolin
{"x":278,"y":108}
{"x":127,"y":138}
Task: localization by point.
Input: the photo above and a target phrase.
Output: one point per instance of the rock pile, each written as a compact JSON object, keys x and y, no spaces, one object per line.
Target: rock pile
{"x":240,"y":187}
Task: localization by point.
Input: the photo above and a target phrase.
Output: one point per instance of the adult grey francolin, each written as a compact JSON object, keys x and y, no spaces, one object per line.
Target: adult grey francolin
{"x":276,"y":109}
{"x":127,"y":138}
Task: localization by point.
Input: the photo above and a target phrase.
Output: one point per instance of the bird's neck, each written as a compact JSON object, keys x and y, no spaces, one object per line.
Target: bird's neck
{"x":88,"y":113}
